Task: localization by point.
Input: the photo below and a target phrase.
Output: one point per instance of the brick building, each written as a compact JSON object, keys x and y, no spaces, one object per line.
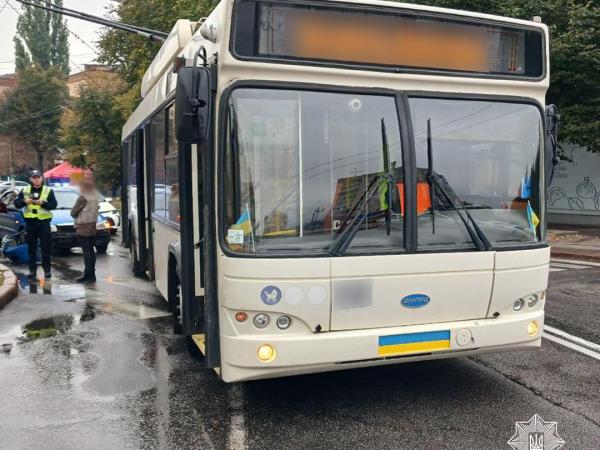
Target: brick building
{"x":15,"y":152}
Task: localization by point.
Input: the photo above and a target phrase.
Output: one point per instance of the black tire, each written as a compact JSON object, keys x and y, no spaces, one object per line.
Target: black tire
{"x":101,"y":248}
{"x":174,"y":291}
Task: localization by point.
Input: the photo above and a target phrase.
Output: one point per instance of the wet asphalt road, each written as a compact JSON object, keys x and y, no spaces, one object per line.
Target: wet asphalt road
{"x":99,"y":368}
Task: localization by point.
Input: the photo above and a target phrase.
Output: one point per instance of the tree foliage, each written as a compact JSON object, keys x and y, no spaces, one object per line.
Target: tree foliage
{"x":33,"y":109}
{"x":133,"y":54}
{"x":574,"y":57}
{"x":41,"y":39}
{"x":91,"y":133}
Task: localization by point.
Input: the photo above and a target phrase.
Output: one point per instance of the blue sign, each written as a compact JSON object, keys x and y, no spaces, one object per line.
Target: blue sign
{"x":415,"y":301}
{"x":270,"y":295}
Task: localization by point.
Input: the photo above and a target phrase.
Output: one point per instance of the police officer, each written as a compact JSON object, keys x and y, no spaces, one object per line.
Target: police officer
{"x":38,"y":201}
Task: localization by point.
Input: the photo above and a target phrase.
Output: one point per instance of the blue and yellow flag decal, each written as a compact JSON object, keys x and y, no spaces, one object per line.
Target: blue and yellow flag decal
{"x":532,"y":218}
{"x":243,"y":223}
{"x":414,"y":343}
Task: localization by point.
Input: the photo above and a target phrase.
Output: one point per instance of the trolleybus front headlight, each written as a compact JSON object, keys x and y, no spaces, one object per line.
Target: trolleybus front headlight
{"x":533,"y":299}
{"x":266,"y":353}
{"x":283,"y":322}
{"x":532,"y":328}
{"x":518,"y":304}
{"x":261,"y":320}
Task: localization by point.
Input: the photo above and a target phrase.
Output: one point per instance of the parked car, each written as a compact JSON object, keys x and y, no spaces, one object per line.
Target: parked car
{"x":9,"y":222}
{"x":6,"y":185}
{"x":63,"y":225}
{"x":10,"y":218}
{"x":110,"y":213}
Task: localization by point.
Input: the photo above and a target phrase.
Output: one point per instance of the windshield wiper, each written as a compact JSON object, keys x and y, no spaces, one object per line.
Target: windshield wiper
{"x":352,"y":222}
{"x":350,"y":225}
{"x":436,"y":180}
{"x":389,"y":179}
{"x":479,"y":238}
{"x":430,"y":175}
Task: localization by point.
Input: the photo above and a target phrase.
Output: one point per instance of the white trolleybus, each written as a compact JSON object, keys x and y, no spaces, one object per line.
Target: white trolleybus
{"x":326,"y":185}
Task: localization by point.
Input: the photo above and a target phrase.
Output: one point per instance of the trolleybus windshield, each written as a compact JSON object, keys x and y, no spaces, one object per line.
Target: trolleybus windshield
{"x":298,"y":163}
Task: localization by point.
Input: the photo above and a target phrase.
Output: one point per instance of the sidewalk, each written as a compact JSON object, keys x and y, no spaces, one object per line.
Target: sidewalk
{"x":576,"y":243}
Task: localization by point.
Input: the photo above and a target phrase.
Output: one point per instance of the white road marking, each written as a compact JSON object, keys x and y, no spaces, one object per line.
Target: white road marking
{"x":575,"y":261}
{"x":570,"y":337}
{"x":573,"y":342}
{"x":236,"y":439}
{"x":569,"y":266}
{"x":559,"y":264}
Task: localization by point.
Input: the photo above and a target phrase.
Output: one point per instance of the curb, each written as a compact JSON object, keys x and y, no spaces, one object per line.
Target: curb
{"x":575,"y":254}
{"x":10,"y":288}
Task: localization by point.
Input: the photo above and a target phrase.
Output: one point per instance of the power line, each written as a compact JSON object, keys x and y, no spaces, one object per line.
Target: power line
{"x":4,"y":6}
{"x":82,"y":14}
{"x":153,"y":35}
{"x":31,"y":116}
{"x":70,"y":60}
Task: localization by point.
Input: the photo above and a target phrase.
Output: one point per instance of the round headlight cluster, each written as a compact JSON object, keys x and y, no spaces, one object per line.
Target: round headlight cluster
{"x":261,"y":321}
{"x":529,"y":300}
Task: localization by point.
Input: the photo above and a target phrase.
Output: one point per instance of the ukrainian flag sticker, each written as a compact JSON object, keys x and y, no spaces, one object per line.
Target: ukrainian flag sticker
{"x":400,"y":344}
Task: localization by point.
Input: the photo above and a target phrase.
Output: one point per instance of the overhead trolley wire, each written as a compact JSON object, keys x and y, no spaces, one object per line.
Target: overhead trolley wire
{"x":153,"y":35}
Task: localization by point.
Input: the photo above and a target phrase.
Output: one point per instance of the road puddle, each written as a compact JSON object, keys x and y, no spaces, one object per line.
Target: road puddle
{"x":47,"y":327}
{"x":44,"y":328}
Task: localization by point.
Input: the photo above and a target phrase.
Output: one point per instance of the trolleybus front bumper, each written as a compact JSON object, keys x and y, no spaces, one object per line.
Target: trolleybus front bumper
{"x":296,"y":354}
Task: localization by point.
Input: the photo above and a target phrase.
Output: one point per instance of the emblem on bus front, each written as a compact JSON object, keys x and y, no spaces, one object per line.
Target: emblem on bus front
{"x":415,"y":301}
{"x":270,"y":295}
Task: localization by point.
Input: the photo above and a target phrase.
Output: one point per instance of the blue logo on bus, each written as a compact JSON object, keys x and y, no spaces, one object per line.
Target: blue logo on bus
{"x":270,"y":295}
{"x":415,"y":300}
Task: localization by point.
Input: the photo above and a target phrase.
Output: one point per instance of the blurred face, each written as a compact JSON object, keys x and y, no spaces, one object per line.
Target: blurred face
{"x":36,"y":181}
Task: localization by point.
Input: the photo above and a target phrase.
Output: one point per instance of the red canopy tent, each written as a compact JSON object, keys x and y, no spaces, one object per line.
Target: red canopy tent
{"x":65,"y":171}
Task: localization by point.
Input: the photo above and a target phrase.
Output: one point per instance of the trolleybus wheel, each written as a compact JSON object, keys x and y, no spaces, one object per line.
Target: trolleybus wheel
{"x":175,"y":301}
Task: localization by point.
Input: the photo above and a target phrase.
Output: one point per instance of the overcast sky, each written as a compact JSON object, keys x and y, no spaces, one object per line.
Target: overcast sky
{"x":80,"y":52}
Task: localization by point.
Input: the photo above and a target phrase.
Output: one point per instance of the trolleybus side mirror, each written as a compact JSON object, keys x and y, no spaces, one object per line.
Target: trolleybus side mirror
{"x":192,"y":105}
{"x":551,"y":154}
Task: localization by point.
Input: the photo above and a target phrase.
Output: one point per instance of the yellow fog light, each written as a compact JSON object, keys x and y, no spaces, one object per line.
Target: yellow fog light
{"x":532,"y":328}
{"x":265,"y":353}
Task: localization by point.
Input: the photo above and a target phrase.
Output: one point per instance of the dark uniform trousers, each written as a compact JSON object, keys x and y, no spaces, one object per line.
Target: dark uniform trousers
{"x":39,"y":230}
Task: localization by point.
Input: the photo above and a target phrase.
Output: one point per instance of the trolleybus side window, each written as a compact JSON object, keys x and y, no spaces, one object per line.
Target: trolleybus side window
{"x":157,"y":150}
{"x":131,"y":175}
{"x":300,"y":164}
{"x":172,"y":169}
{"x":486,"y":155}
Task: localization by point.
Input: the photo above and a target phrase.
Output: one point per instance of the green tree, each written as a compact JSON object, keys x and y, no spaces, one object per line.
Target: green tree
{"x":133,"y":54}
{"x":41,"y":39}
{"x":574,"y":57}
{"x":91,"y":133}
{"x":33,"y":109}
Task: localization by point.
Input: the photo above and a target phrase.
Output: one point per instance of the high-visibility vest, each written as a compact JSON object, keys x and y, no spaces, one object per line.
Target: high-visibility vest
{"x":36,"y":211}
